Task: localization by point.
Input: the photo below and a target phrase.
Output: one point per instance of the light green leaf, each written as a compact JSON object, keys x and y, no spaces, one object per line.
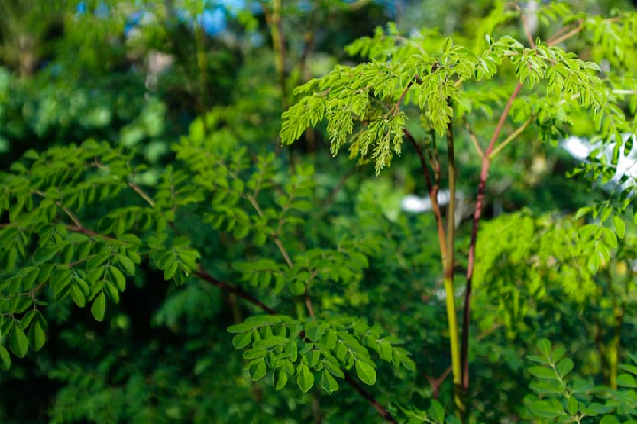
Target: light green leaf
{"x":366,"y":373}
{"x":281,"y":378}
{"x":305,"y":378}
{"x":78,"y":296}
{"x":242,"y":340}
{"x":99,"y":307}
{"x":127,"y":264}
{"x":328,"y":383}
{"x":259,"y":371}
{"x":619,"y":224}
{"x":118,"y":278}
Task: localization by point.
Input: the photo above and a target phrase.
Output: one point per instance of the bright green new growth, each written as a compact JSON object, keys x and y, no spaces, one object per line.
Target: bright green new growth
{"x":362,"y":104}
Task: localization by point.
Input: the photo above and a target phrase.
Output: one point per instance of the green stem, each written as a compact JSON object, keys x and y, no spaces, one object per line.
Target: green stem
{"x":449,"y":276}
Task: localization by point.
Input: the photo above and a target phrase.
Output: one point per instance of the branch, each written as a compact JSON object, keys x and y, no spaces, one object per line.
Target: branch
{"x":371,"y":400}
{"x":340,"y":184}
{"x":141,"y":192}
{"x":511,"y":137}
{"x":474,"y":140}
{"x":203,"y":275}
{"x":559,"y":39}
{"x":436,"y":382}
{"x":433,"y":192}
{"x":477,"y":217}
{"x":284,"y":253}
{"x":405,"y":91}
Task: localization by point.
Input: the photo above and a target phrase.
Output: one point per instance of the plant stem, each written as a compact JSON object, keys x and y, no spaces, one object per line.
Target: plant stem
{"x":433,"y":192}
{"x":485,"y":166}
{"x":449,"y":274}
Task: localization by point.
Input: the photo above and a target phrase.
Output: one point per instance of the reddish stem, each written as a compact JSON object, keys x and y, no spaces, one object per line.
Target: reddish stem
{"x":485,"y":166}
{"x":433,"y":192}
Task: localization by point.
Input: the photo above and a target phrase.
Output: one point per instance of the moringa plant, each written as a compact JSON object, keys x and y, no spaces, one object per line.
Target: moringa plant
{"x":60,"y":245}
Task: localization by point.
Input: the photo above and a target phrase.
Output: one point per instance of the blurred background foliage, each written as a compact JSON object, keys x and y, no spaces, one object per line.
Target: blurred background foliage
{"x":137,"y":73}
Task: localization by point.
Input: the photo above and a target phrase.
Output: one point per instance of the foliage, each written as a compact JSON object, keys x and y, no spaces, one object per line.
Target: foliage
{"x":307,"y":266}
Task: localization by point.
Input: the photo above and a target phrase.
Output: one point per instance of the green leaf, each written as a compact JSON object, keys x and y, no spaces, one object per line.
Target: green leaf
{"x":572,"y":406}
{"x":242,"y":340}
{"x":543,"y":372}
{"x":385,"y":351}
{"x":99,"y":307}
{"x":538,"y":359}
{"x":78,"y":296}
{"x":545,"y":347}
{"x":281,"y":378}
{"x":36,"y":336}
{"x":18,"y":342}
{"x":437,"y":412}
{"x":328,"y":383}
{"x":565,"y":366}
{"x":118,"y":278}
{"x":259,"y":371}
{"x":5,"y":358}
{"x":111,"y":290}
{"x":626,"y":380}
{"x":547,"y":387}
{"x":255,"y":353}
{"x":127,"y":264}
{"x":239,"y":328}
{"x":609,"y":419}
{"x":547,"y":408}
{"x":366,"y":373}
{"x":619,"y":224}
{"x":305,"y":378}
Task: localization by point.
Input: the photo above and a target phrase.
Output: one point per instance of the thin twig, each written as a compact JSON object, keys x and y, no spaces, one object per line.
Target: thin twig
{"x":511,"y":137}
{"x":371,"y":400}
{"x":474,"y":140}
{"x":554,"y":41}
{"x":436,"y":382}
{"x":203,"y":275}
{"x":340,"y":184}
{"x":141,"y":192}
{"x":70,"y":214}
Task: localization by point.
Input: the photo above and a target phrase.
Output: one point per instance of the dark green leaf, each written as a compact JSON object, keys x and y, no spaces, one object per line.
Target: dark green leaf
{"x":18,"y":342}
